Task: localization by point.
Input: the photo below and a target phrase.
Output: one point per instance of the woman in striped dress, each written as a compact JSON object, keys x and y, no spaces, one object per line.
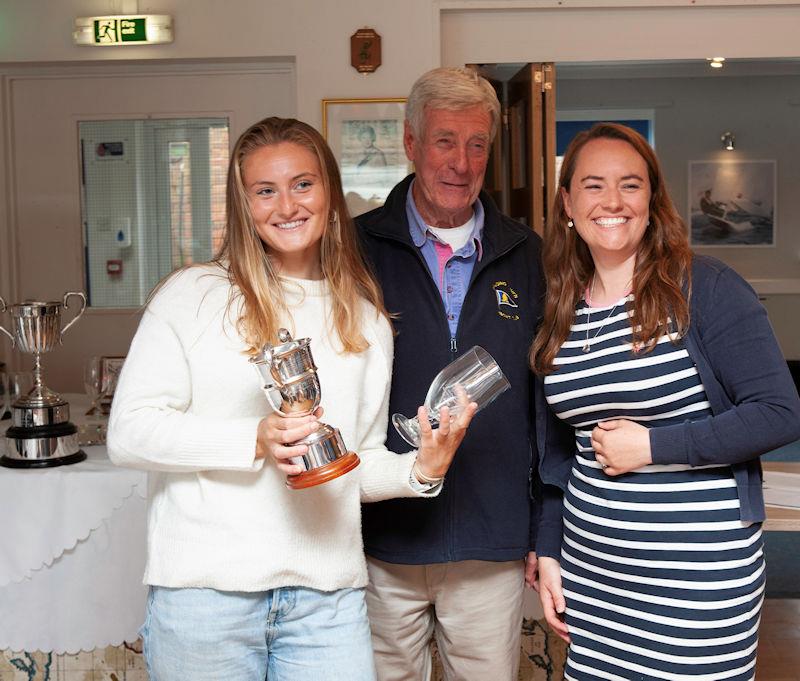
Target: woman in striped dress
{"x":667,"y":369}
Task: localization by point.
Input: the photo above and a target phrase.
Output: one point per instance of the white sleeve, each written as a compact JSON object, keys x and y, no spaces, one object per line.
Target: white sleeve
{"x":429,"y":489}
{"x":386,"y":475}
{"x":151,"y":426}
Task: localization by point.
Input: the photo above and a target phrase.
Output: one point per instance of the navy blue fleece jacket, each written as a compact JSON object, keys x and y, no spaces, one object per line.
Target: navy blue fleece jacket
{"x":486,"y":510}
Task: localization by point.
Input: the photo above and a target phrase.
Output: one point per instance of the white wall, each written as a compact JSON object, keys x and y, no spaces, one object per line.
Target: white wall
{"x":611,"y":31}
{"x":315,"y":33}
{"x":417,"y":34}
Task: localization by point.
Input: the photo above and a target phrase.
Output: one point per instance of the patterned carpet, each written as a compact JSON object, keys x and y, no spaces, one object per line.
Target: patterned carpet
{"x":541,"y":659}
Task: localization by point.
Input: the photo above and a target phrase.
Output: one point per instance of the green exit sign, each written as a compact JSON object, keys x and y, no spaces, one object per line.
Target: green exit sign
{"x":123,"y":29}
{"x":115,"y":31}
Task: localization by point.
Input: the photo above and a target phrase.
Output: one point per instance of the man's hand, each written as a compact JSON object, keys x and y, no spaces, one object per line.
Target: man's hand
{"x":438,"y":446}
{"x":532,"y":571}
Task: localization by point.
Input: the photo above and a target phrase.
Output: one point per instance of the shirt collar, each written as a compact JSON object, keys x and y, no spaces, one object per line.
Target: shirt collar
{"x":420,"y":233}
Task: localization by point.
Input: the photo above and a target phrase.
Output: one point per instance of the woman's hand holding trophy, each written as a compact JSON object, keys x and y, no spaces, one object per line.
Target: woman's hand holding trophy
{"x":280,"y":437}
{"x":313,"y":452}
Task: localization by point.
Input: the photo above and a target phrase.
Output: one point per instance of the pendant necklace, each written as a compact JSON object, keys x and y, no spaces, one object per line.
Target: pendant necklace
{"x":587,"y":344}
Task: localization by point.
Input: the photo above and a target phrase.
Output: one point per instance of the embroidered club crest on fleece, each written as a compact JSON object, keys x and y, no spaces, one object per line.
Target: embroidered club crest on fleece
{"x":506,"y":300}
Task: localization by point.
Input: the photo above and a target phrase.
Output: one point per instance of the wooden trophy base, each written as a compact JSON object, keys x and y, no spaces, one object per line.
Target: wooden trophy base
{"x":316,"y":476}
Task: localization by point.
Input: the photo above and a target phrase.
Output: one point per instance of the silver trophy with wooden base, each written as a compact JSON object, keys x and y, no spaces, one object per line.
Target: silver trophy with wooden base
{"x":41,"y":434}
{"x":289,"y":379}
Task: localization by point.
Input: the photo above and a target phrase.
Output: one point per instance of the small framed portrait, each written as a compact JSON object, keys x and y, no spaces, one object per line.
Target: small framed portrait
{"x":732,"y":203}
{"x":366,"y":137}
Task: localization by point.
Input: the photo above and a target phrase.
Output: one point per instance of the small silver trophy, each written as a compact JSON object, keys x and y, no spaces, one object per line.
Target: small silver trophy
{"x":41,"y":434}
{"x":289,"y":380}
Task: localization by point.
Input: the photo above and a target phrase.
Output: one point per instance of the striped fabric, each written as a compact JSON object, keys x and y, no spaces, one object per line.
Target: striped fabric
{"x":662,"y":579}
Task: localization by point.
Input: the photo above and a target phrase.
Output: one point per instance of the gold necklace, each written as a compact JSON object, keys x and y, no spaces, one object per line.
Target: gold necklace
{"x":587,"y":344}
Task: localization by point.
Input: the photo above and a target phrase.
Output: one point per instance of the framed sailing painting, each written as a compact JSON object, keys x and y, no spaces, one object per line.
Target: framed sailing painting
{"x":732,"y":203}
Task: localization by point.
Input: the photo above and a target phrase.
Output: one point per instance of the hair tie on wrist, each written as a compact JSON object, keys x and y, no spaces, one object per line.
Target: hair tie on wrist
{"x":424,"y":478}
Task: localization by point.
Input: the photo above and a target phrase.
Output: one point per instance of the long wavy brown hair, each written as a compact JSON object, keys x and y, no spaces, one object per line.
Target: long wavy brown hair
{"x":247,"y":259}
{"x":661,"y":277}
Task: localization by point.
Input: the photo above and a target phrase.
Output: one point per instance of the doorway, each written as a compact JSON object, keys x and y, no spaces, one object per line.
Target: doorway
{"x":45,"y":109}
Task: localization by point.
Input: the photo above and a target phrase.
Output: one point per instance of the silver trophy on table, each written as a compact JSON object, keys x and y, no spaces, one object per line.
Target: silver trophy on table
{"x":289,"y":380}
{"x":41,"y":434}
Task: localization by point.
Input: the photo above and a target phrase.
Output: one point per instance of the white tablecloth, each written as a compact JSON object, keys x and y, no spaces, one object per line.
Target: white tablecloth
{"x":71,"y":555}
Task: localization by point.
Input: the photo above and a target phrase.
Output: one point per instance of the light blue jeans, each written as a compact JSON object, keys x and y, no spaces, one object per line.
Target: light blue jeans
{"x":287,"y":634}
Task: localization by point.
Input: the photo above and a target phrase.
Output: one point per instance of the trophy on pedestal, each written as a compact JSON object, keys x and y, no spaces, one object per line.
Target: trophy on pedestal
{"x":289,"y":379}
{"x":41,"y":434}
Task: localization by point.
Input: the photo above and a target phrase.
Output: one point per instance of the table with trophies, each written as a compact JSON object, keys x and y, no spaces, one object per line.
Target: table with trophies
{"x":73,"y":546}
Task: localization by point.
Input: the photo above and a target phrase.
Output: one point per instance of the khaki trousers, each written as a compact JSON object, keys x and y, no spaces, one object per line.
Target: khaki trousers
{"x":472,"y":607}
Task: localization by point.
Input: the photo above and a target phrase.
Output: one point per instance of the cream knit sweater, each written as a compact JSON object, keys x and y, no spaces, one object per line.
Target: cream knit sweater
{"x":187,"y":408}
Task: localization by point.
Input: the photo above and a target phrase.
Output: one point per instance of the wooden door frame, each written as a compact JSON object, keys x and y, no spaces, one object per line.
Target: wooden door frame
{"x":533,"y":87}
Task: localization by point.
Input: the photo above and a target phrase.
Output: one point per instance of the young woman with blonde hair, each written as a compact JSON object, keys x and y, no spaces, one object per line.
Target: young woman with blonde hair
{"x":249,"y":579}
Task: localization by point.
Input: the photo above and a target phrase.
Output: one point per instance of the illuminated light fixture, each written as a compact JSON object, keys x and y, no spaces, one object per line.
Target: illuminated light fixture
{"x":715,"y":62}
{"x":118,"y":29}
{"x":728,"y":141}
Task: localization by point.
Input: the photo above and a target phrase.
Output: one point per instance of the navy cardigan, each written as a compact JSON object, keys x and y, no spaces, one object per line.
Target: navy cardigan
{"x":754,"y":403}
{"x":753,"y":398}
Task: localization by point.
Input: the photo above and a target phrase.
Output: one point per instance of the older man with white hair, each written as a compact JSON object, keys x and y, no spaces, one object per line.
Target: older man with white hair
{"x":456,"y":273}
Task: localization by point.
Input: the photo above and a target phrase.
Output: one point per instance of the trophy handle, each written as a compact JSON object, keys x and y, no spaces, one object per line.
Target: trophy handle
{"x":3,"y":308}
{"x":67,"y":296}
{"x":274,"y":397}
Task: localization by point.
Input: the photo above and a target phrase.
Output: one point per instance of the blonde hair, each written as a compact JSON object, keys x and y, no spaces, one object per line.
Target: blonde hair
{"x":661,"y":275}
{"x":246,"y":258}
{"x":450,"y":88}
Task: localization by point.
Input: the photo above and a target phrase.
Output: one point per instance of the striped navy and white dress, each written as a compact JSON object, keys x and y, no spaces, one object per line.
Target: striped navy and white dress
{"x":661,"y":578}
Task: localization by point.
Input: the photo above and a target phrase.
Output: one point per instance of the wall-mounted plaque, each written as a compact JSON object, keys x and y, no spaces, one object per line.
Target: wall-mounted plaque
{"x":365,"y":50}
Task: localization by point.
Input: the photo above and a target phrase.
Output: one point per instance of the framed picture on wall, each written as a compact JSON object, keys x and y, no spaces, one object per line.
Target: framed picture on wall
{"x":366,"y":137}
{"x":732,"y":203}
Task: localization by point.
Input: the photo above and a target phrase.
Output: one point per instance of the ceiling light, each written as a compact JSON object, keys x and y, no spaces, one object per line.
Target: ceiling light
{"x":728,"y":141}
